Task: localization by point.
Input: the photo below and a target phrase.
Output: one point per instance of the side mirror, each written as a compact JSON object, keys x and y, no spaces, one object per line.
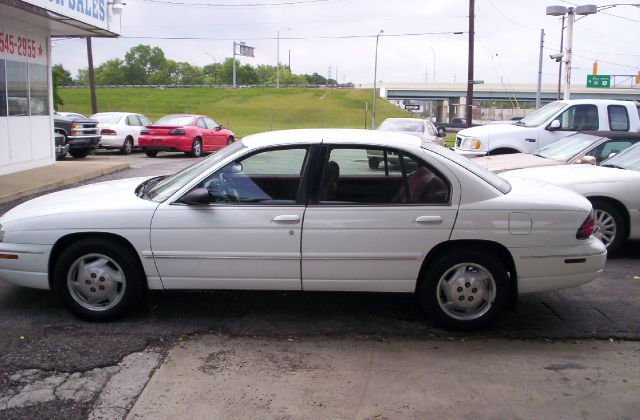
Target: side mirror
{"x":588,"y":160}
{"x":220,"y":127}
{"x":555,"y":124}
{"x":236,"y":168}
{"x":196,"y":197}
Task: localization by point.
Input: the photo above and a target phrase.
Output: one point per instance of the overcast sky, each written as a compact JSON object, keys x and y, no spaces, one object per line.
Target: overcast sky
{"x":507,"y":37}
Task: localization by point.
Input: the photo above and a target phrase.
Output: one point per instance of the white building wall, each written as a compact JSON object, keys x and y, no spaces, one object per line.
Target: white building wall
{"x":26,"y":122}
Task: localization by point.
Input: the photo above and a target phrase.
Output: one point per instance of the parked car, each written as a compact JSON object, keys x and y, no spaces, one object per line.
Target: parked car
{"x":301,"y":210}
{"x":613,"y":189}
{"x":455,"y":123}
{"x":192,"y":134}
{"x":550,"y":123}
{"x":591,"y":147}
{"x":61,"y":148}
{"x":423,"y":129}
{"x":80,"y":134}
{"x":120,"y":130}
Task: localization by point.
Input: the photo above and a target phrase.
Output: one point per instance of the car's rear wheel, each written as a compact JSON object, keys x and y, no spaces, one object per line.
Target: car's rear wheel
{"x":196,"y":148}
{"x":464,"y":290}
{"x":127,"y":146}
{"x":79,"y":153}
{"x":151,"y":153}
{"x":98,"y":279}
{"x":609,"y":226}
{"x":374,"y":163}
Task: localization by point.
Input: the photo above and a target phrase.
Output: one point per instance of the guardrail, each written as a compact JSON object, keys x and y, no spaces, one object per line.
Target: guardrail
{"x":309,"y":86}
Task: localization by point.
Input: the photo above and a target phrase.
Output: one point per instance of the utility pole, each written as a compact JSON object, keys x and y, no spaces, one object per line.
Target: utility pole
{"x":234,"y":64}
{"x":92,"y":78}
{"x":290,"y":62}
{"x":539,"y":87}
{"x":469,"y":105}
{"x":560,"y":62}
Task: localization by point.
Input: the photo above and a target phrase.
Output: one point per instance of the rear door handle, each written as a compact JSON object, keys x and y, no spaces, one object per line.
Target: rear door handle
{"x":287,"y":218}
{"x":531,"y":140}
{"x":429,"y":220}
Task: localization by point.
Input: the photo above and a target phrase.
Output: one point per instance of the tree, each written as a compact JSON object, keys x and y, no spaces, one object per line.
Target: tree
{"x":316,"y":79}
{"x":59,"y":77}
{"x":82,"y":78}
{"x":141,"y":62}
{"x":111,"y":72}
{"x":245,"y":73}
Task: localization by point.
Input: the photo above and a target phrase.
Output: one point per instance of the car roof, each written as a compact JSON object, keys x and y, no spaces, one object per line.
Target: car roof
{"x":404,"y":119}
{"x":614,"y":134}
{"x":116,"y":113}
{"x":594,"y":101}
{"x":331,"y":135}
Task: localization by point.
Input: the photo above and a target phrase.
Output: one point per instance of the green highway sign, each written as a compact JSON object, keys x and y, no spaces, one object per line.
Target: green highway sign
{"x":598,"y":81}
{"x":477,"y":82}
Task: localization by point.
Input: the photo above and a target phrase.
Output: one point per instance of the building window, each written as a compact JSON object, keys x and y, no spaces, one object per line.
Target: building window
{"x":39,"y":89}
{"x":3,"y":91}
{"x":17,"y":88}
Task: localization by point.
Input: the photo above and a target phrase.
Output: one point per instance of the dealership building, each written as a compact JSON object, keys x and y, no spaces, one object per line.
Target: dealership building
{"x":26,"y":90}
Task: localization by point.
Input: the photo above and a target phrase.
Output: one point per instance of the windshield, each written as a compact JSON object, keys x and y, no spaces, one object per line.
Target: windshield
{"x":107,"y":118}
{"x":175,"y":120}
{"x":566,"y":148}
{"x":542,"y":115}
{"x":492,"y":179}
{"x":169,"y":185}
{"x":402,"y":125}
{"x":627,"y":159}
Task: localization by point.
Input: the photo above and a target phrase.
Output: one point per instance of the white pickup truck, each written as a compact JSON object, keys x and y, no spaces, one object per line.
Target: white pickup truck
{"x":550,"y":123}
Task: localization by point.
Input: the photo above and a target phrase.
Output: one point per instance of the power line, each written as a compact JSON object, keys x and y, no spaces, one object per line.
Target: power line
{"x":239,"y":6}
{"x":294,"y":38}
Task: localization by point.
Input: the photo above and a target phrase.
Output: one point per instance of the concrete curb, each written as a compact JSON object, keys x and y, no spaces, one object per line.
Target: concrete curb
{"x":34,"y":181}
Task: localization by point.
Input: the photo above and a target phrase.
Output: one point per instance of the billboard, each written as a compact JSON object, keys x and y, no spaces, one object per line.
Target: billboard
{"x":91,"y":12}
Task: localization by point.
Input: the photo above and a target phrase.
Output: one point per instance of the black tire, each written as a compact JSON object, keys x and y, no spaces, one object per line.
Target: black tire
{"x":610,"y":226}
{"x":230,"y":140}
{"x":61,"y":156}
{"x":151,"y":153}
{"x":98,"y":281}
{"x":79,"y":153}
{"x":442,"y":132}
{"x":196,"y":148}
{"x":374,"y":163}
{"x":127,"y":146}
{"x":478,"y":269}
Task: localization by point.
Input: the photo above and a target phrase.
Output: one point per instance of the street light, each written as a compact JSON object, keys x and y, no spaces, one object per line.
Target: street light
{"x":375,"y":76}
{"x":278,"y":59}
{"x":571,"y":12}
{"x":434,"y":63}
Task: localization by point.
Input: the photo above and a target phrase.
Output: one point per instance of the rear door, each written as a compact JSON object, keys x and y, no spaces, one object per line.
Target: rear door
{"x":370,"y":229}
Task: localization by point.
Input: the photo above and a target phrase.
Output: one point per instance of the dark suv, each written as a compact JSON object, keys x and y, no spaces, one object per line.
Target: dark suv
{"x":81,"y":134}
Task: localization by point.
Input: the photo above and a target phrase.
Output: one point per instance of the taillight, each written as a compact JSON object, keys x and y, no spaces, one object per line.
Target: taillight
{"x":107,"y":132}
{"x":144,"y":131}
{"x":177,"y":131}
{"x":586,"y":229}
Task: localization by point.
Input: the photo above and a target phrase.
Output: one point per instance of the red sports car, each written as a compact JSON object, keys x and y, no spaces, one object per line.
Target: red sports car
{"x":192,"y":134}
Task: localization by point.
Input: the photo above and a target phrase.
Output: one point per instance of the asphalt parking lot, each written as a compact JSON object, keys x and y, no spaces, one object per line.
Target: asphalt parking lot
{"x":40,"y":339}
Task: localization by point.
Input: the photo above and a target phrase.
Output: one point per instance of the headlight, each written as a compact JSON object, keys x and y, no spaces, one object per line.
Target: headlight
{"x":1,"y":233}
{"x":470,"y":143}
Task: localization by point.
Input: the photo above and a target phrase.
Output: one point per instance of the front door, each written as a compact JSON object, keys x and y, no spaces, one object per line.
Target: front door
{"x":370,"y":229}
{"x":248,"y":237}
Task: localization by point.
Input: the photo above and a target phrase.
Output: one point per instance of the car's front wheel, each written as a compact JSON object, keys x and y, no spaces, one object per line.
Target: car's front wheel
{"x":464,"y":290}
{"x":609,"y":225}
{"x":98,"y":279}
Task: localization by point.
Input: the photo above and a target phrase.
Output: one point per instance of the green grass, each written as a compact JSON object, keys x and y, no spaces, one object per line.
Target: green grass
{"x":245,"y":111}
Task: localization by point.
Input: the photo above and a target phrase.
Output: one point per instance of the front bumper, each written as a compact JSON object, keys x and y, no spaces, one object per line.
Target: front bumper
{"x":25,"y":265}
{"x":82,"y":142}
{"x":469,"y":153}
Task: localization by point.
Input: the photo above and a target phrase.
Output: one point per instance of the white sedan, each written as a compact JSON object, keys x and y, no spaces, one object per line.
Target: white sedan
{"x":302,"y":210}
{"x":120,"y":130}
{"x":612,"y":188}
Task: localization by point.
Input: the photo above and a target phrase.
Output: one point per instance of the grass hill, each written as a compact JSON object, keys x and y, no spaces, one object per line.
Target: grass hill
{"x":245,"y":111}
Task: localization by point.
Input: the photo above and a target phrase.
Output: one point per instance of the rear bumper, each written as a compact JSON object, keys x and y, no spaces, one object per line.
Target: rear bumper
{"x":166,"y":143}
{"x":111,"y":142}
{"x":550,"y":268}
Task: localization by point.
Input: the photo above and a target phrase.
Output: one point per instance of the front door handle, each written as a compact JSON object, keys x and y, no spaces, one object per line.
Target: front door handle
{"x":531,"y":140}
{"x":287,"y":218}
{"x":429,"y":220}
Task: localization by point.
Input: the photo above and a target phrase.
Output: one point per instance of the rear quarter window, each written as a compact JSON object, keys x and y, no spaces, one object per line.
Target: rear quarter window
{"x":618,"y":118}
